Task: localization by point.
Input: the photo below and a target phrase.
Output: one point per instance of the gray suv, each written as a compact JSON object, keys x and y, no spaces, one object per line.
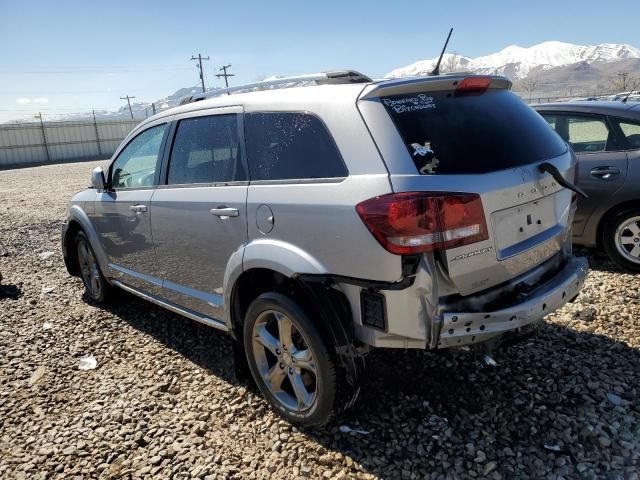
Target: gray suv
{"x":313,"y":223}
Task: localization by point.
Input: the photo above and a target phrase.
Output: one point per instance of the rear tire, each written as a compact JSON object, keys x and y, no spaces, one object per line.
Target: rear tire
{"x":96,"y":286}
{"x":621,"y":239}
{"x":292,"y":362}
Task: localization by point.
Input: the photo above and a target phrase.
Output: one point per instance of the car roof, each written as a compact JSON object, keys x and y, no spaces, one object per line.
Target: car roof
{"x":595,"y":106}
{"x":302,"y":97}
{"x":312,"y":94}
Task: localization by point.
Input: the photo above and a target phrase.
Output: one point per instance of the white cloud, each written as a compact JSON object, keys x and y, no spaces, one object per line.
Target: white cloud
{"x":34,"y":100}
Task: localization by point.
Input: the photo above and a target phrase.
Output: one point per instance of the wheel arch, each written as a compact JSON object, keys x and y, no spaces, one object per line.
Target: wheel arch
{"x":326,"y":305}
{"x":78,"y":220}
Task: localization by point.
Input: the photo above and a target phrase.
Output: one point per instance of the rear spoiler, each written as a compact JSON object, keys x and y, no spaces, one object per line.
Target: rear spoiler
{"x":428,"y":84}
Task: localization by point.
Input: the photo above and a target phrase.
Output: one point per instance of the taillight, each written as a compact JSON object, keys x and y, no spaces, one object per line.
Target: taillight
{"x":473,"y":85}
{"x":414,"y":222}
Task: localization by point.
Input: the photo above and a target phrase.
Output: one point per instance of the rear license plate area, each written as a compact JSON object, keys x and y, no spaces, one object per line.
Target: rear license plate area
{"x":517,"y":229}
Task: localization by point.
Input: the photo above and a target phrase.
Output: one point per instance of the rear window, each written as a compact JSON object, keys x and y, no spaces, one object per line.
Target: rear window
{"x":448,"y":134}
{"x":289,"y":145}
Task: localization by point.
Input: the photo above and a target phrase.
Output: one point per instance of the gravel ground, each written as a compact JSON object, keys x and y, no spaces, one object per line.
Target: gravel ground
{"x":164,"y":401}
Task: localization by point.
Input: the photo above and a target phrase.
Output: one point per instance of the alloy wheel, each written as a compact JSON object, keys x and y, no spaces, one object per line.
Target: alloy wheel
{"x":285,"y":361}
{"x":89,"y":268}
{"x":627,"y":239}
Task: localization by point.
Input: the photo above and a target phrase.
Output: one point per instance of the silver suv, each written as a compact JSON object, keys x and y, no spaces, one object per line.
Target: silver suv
{"x":315,"y":222}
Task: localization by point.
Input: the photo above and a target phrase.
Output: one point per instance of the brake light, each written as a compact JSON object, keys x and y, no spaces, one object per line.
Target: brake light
{"x":473,"y":84}
{"x":415,"y":222}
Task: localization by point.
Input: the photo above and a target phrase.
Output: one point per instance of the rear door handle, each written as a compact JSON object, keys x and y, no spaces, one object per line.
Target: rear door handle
{"x":605,"y":172}
{"x":224,"y":212}
{"x":138,"y":208}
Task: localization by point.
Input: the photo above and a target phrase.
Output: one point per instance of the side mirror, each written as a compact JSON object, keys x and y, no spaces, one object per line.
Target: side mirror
{"x":97,"y":179}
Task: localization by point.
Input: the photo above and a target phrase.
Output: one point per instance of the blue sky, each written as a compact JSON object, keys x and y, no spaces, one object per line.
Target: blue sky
{"x":69,"y":56}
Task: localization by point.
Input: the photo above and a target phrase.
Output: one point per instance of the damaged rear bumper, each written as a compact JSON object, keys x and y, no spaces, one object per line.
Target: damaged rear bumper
{"x":456,"y":329}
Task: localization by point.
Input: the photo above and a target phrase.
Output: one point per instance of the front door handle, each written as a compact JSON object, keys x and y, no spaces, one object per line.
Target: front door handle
{"x":224,"y":212}
{"x":138,"y":208}
{"x":604,"y":172}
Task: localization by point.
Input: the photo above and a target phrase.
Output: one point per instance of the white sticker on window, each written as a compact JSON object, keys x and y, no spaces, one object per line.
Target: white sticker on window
{"x":422,"y":150}
{"x":426,"y":151}
{"x":411,"y":104}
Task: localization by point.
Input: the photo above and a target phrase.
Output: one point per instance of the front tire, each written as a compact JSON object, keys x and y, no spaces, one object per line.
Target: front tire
{"x":96,"y":286}
{"x":621,"y":239}
{"x":291,"y":361}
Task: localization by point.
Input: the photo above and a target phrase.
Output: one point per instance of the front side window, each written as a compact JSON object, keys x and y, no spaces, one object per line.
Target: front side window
{"x":289,"y":145}
{"x":205,"y":150}
{"x":136,"y":164}
{"x":631,"y":131}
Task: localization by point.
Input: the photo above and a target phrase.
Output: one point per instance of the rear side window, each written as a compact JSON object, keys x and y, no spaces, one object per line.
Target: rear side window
{"x":205,"y":150}
{"x":584,"y":133}
{"x":587,"y":134}
{"x":287,"y":146}
{"x":631,"y":131}
{"x":450,"y":134}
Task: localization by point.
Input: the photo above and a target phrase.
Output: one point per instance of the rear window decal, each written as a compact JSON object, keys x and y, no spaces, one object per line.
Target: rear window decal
{"x":410,"y":104}
{"x":422,"y":150}
{"x":430,"y":157}
{"x":430,"y":167}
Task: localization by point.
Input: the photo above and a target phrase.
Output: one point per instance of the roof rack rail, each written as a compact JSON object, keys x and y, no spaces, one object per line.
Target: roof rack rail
{"x":322,"y":78}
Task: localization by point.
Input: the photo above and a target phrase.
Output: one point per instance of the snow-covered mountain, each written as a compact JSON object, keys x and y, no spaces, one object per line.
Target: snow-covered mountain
{"x":516,"y":62}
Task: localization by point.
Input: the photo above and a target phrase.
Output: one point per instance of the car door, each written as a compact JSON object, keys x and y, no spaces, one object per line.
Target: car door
{"x":122,"y":211}
{"x":602,"y":163}
{"x":630,"y":133}
{"x":199,"y":214}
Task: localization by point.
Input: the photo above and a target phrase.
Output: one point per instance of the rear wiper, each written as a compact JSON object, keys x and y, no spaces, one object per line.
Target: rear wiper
{"x":557,"y":176}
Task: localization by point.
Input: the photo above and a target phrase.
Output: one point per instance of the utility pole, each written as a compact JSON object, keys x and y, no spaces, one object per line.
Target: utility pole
{"x":95,"y":124}
{"x":200,"y":58}
{"x":128,"y":99}
{"x":44,"y":136}
{"x":225,"y":75}
{"x":624,"y":76}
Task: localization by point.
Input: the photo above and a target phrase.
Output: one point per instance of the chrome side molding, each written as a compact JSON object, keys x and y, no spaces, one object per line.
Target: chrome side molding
{"x":211,"y":322}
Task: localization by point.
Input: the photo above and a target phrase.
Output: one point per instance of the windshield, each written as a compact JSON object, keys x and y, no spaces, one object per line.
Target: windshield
{"x":447,"y":133}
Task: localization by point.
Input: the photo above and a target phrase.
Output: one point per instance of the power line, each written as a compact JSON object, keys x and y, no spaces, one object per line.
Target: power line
{"x":128,"y":99}
{"x":93,"y":70}
{"x":225,"y":75}
{"x":200,"y":58}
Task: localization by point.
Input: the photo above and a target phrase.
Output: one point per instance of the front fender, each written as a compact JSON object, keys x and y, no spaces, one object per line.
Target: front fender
{"x":77,"y":214}
{"x":276,"y":255}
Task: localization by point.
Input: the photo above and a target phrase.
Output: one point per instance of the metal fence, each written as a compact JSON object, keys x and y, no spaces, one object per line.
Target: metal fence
{"x":55,"y":142}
